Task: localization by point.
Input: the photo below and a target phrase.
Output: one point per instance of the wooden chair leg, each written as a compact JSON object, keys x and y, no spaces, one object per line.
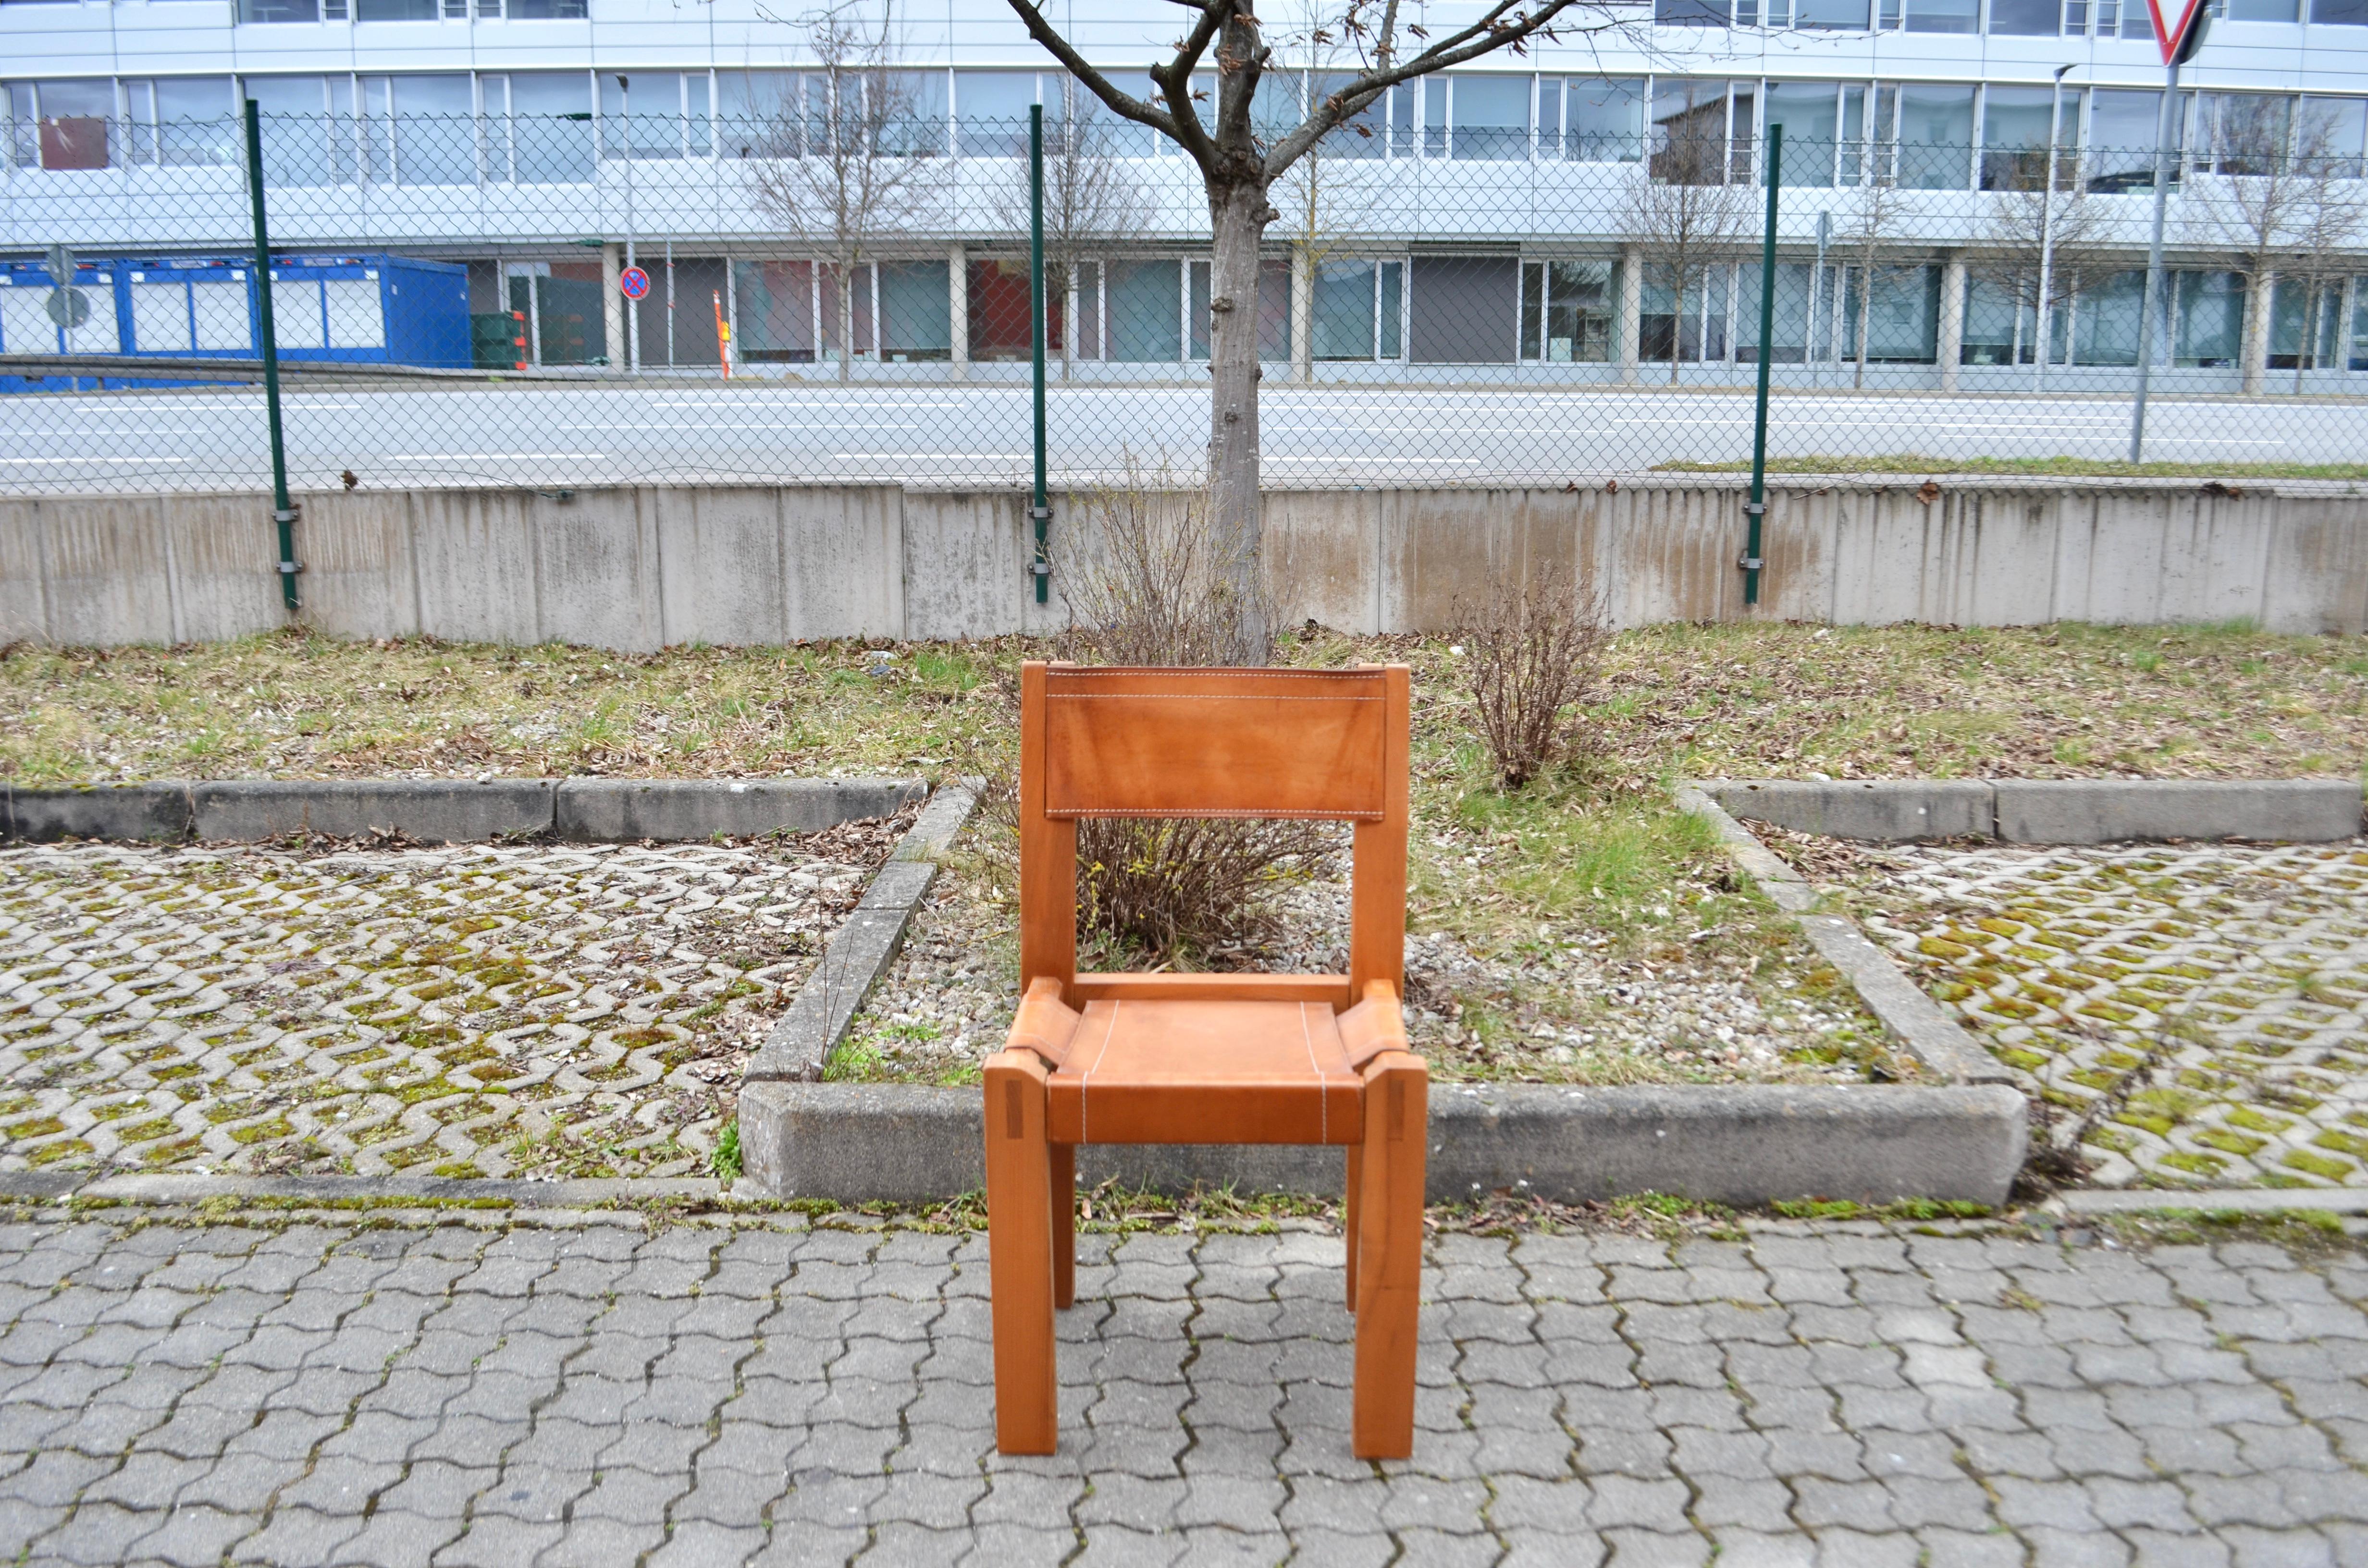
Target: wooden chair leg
{"x":1019,"y":1254}
{"x":1348,"y":1216}
{"x":1389,"y":1254}
{"x":1064,"y":1195}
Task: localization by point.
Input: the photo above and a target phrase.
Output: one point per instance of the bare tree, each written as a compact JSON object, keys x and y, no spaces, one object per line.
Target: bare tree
{"x":1325,"y":196}
{"x":848,"y":160}
{"x":1691,"y":212}
{"x":2332,"y":220}
{"x":2269,"y":186}
{"x":1867,"y":231}
{"x":2043,"y":246}
{"x":1093,"y":200}
{"x":1238,"y":166}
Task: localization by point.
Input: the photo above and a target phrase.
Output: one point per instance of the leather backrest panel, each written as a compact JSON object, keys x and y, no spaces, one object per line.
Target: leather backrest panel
{"x":1148,"y":742}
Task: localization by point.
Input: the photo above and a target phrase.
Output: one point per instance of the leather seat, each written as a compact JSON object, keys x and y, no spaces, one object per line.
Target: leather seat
{"x":1241,"y":1072}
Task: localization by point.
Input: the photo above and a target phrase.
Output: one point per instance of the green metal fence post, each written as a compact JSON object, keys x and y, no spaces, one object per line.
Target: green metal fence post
{"x":1755,"y":509}
{"x":1042,"y":512}
{"x":283,"y":513}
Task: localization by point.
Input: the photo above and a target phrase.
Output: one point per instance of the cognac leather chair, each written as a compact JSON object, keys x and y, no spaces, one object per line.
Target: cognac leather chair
{"x":1245,"y":1057}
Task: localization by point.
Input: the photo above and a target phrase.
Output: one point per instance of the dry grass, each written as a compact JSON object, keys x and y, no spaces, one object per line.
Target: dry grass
{"x":1783,"y":700}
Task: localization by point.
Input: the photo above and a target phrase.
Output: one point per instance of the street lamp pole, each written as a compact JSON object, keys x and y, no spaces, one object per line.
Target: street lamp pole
{"x":2043,"y":311}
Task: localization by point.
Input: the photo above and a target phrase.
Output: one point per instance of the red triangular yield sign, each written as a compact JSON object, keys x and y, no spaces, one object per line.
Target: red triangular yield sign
{"x":2172,"y":31}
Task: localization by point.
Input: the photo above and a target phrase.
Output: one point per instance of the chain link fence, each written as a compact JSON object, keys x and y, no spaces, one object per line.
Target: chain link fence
{"x":798,"y":290}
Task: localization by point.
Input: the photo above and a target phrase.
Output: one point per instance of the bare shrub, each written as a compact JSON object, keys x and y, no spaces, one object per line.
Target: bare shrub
{"x":1147,"y":580}
{"x":1533,"y":651}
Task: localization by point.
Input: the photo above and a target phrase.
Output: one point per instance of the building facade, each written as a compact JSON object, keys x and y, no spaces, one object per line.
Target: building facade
{"x":1966,"y":190}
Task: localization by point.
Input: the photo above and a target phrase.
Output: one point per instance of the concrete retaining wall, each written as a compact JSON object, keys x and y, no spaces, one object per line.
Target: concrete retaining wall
{"x":640,"y":568}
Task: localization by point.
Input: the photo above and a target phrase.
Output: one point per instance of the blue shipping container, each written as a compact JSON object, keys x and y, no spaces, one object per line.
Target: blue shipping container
{"x":384,"y":310}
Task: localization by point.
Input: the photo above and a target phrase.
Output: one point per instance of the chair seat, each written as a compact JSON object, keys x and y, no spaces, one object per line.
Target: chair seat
{"x":1206,"y":1072}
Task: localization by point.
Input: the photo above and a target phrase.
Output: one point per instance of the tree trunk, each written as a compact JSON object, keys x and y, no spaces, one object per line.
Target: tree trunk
{"x":1865,"y":319}
{"x":2256,"y":343}
{"x":846,"y":323}
{"x":1238,"y":215}
{"x":1676,"y":323}
{"x":2309,"y":343}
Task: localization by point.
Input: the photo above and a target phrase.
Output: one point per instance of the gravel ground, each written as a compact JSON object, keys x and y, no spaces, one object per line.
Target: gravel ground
{"x":475,"y":1010}
{"x":1558,"y":1009}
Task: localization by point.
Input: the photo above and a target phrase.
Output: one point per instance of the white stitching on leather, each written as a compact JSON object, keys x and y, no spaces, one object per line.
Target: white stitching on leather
{"x":1323,"y":1098}
{"x":1084,"y":1079}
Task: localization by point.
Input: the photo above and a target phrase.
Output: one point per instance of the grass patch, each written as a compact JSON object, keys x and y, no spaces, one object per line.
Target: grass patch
{"x":2054,"y":467}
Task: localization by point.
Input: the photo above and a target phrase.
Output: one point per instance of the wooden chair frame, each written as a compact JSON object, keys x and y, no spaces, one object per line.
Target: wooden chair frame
{"x":1308,"y":744}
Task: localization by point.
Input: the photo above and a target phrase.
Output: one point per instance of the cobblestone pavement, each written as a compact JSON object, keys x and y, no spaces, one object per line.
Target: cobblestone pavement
{"x":1848,"y":1394}
{"x":478,"y":1010}
{"x":2216,"y":997}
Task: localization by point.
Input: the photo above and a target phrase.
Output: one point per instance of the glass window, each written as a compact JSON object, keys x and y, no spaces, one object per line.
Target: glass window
{"x":2340,"y":13}
{"x":915,"y":314}
{"x":2247,"y":133}
{"x":758,"y":113}
{"x":2122,"y":130}
{"x":2210,"y":314}
{"x":395,"y":10}
{"x":1807,"y":112}
{"x":1491,"y":117}
{"x":547,"y":10}
{"x":1566,"y":311}
{"x":993,"y":108}
{"x":1903,"y":316}
{"x":642,"y":115}
{"x":2264,"y":11}
{"x":1998,"y":323}
{"x":279,"y":10}
{"x":2333,"y":134}
{"x":2026,"y":18}
{"x":550,"y":127}
{"x":75,"y":119}
{"x":910,"y":111}
{"x":1146,"y":320}
{"x":2303,"y":322}
{"x":2135,"y":23}
{"x":775,"y":300}
{"x":1604,"y":119}
{"x":2358,"y":361}
{"x":1936,"y":136}
{"x":1831,"y":16}
{"x":998,"y":309}
{"x":1689,"y":12}
{"x":435,"y":130}
{"x":1688,"y":133}
{"x":297,"y":137}
{"x":1345,"y":299}
{"x":1943,"y":16}
{"x":1790,"y":318}
{"x":1364,"y":135}
{"x":2015,"y":123}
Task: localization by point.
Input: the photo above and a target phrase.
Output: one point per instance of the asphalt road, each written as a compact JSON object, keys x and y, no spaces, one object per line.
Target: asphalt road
{"x":571,"y":436}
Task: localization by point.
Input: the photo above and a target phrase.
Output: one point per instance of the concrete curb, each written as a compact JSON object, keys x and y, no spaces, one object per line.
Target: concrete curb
{"x":56,"y":1186}
{"x":859,"y":952}
{"x":2237,"y":1200}
{"x":1937,"y":1041}
{"x":446,"y":811}
{"x":1748,"y":1144}
{"x":2050,"y":811}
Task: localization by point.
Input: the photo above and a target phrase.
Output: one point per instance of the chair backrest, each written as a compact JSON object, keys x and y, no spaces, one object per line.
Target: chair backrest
{"x":1324,"y":746}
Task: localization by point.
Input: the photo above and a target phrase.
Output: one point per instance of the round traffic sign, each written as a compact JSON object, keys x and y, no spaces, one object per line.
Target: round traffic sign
{"x":634,"y":282}
{"x":69,"y":308}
